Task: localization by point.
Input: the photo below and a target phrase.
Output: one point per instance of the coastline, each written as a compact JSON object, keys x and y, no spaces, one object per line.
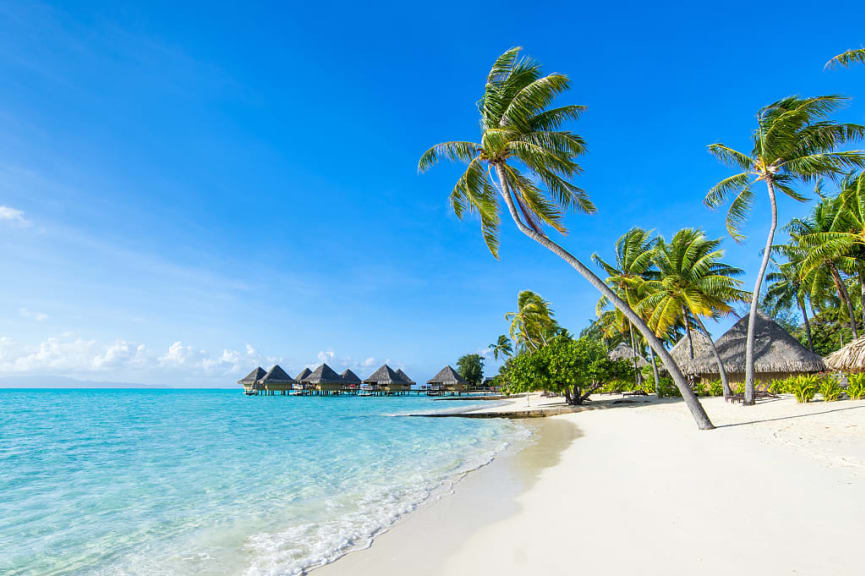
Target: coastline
{"x":642,"y":491}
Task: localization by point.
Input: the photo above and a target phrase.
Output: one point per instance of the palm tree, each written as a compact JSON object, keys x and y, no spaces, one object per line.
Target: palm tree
{"x":534,"y":160}
{"x":502,"y":347}
{"x":532,"y":325}
{"x":633,"y":263}
{"x":785,"y":289}
{"x":692,"y":282}
{"x":814,"y":246}
{"x":847,"y":58}
{"x":794,"y":141}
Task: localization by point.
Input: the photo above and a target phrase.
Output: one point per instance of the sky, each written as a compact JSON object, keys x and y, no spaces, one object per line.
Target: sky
{"x":189,"y":190}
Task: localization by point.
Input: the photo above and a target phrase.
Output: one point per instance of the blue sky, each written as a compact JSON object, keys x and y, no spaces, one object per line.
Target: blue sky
{"x":190,"y":190}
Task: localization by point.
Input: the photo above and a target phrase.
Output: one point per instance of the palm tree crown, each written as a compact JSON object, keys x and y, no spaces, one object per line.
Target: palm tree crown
{"x":524,"y":138}
{"x":532,"y":325}
{"x":847,"y":58}
{"x":793,"y":141}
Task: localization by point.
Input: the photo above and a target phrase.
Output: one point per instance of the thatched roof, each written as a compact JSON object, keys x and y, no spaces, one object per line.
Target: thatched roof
{"x":349,"y":377}
{"x":680,"y":353}
{"x":624,"y":352}
{"x":850,"y":358}
{"x":775,"y":351}
{"x":252,"y":377}
{"x":404,"y":376}
{"x":277,"y":375}
{"x":448,"y":376}
{"x":324,"y":374}
{"x":384,"y":375}
{"x":304,"y":374}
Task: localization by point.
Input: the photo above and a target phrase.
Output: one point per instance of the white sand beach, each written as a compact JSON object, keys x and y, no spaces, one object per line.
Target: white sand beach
{"x":637,"y":489}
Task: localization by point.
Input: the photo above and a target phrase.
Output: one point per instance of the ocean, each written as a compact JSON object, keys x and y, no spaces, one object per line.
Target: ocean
{"x":211,"y":482}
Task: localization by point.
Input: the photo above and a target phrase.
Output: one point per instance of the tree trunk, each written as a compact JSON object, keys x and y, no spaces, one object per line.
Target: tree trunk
{"x":691,"y":401}
{"x":728,"y":393}
{"x":861,"y":267}
{"x":688,"y":333}
{"x":845,"y":298}
{"x":807,"y":325}
{"x":634,"y":352}
{"x":655,"y":372}
{"x":755,"y":298}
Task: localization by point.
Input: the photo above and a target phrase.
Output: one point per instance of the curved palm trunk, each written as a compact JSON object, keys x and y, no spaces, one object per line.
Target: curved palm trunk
{"x":845,"y":298}
{"x":861,"y":270}
{"x":634,"y":352}
{"x":655,"y":371}
{"x":688,"y":333}
{"x":691,"y":401}
{"x":755,"y":297}
{"x":807,"y":324}
{"x":725,"y":385}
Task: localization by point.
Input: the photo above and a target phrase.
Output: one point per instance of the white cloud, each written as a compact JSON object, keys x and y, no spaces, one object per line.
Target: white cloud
{"x":368,"y":362}
{"x":74,"y":356}
{"x":30,"y":314}
{"x":326,"y":356}
{"x":13,"y":215}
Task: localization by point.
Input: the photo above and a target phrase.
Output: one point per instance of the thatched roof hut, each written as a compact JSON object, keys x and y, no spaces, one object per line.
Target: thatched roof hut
{"x":624,"y":352}
{"x":386,"y":378}
{"x":405,"y":377}
{"x":277,"y":379}
{"x":776,"y":353}
{"x":304,"y":374}
{"x":850,"y":358}
{"x":250,"y":379}
{"x":349,"y":378}
{"x":324,"y":378}
{"x":681,"y":354}
{"x":448,"y":379}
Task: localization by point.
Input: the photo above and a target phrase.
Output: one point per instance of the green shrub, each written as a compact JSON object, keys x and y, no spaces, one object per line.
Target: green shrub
{"x":804,"y":387}
{"x":714,"y":388}
{"x":667,"y":388}
{"x":779,"y":386}
{"x":856,"y":386}
{"x":830,"y":388}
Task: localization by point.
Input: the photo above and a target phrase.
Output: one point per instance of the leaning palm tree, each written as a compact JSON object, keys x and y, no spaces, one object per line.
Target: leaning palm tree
{"x":533,"y":161}
{"x":847,"y":58}
{"x":633,"y":263}
{"x":532,"y":325}
{"x":785,"y":290}
{"x":794,"y":141}
{"x":502,"y":347}
{"x":692,"y":283}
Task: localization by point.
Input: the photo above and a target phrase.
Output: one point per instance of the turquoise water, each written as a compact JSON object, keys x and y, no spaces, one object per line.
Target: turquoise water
{"x":110,"y":482}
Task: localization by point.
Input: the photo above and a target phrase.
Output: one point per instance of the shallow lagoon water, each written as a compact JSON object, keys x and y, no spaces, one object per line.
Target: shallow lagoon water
{"x":112,"y":482}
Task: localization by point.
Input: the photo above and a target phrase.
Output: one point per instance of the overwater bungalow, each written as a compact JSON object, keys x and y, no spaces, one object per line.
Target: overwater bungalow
{"x":300,"y":379}
{"x":324,"y":380}
{"x":447,"y":380}
{"x":624,"y":352}
{"x":405,"y":377}
{"x":776,"y":353}
{"x":386,"y":381}
{"x":850,"y":358}
{"x":250,"y":381}
{"x":350,"y":380}
{"x":276,"y":380}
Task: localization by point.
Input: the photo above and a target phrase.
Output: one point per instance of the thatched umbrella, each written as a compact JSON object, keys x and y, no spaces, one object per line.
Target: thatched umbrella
{"x":681,"y":354}
{"x":324,"y":378}
{"x":350,"y":379}
{"x":386,"y":378}
{"x":625,"y":352}
{"x":850,"y":358}
{"x":447,"y":379}
{"x":277,"y":379}
{"x":249,"y":381}
{"x":776,"y":353}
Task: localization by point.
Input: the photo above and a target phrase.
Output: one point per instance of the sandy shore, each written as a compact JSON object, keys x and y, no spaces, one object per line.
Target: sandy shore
{"x":636,"y":489}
